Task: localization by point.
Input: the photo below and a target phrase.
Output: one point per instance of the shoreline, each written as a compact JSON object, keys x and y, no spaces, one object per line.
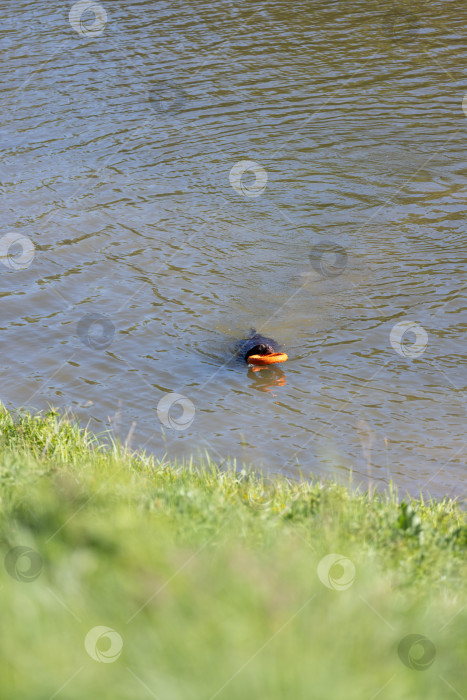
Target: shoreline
{"x":199,"y":582}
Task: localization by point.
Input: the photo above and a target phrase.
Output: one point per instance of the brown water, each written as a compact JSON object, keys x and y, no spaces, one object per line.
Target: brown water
{"x":117,"y":152}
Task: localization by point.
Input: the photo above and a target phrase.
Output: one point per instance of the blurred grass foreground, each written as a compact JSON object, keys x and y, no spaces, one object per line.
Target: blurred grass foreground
{"x":125,"y":577}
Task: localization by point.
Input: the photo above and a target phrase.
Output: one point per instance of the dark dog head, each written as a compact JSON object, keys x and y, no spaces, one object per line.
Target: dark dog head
{"x":261,"y":349}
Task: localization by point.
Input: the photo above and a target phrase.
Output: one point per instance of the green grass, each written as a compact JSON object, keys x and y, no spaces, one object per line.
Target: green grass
{"x":210,"y":580}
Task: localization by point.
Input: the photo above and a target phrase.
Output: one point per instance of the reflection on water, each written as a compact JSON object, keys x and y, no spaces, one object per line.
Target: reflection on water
{"x":265,"y":379}
{"x":137,"y":246}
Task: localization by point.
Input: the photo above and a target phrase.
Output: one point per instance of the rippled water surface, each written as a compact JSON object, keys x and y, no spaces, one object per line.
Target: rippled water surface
{"x":118,"y":142}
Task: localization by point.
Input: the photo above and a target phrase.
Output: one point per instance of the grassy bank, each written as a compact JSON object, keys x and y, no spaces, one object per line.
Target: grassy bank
{"x":128,"y":578}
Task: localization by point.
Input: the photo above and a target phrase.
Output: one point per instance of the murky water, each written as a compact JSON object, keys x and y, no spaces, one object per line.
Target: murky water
{"x":153,"y":252}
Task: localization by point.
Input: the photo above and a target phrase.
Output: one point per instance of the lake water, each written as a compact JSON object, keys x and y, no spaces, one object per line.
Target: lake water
{"x":175,"y":173}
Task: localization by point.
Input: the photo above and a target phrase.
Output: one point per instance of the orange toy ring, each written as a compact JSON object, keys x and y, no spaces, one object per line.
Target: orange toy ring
{"x":267,"y":359}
